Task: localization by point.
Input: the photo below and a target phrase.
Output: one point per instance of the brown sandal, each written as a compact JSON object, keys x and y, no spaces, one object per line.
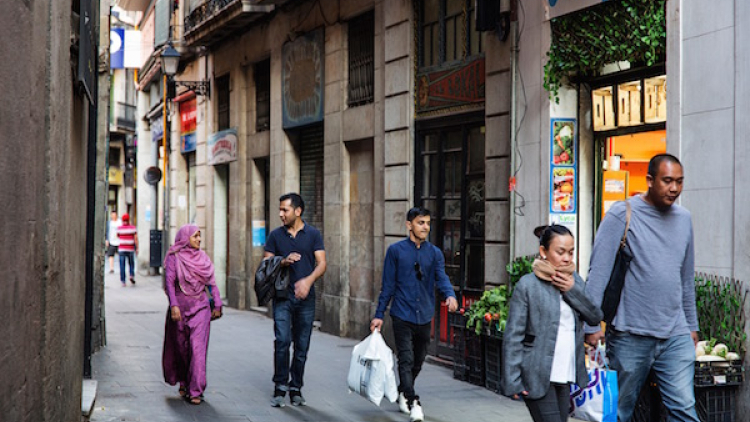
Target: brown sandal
{"x":182,"y":391}
{"x":195,"y":400}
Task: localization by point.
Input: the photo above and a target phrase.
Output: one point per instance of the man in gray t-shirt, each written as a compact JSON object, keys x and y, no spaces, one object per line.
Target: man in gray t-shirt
{"x":656,"y":322}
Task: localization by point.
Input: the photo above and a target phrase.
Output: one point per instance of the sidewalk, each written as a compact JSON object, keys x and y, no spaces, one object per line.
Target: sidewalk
{"x":240,"y":366}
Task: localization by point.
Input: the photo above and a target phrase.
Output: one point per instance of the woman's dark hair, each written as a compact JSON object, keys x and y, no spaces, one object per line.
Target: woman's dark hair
{"x":417,"y":212}
{"x":547,"y":233}
{"x":295,"y":200}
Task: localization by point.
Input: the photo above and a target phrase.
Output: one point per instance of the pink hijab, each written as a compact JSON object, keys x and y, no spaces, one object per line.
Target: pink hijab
{"x":194,"y":267}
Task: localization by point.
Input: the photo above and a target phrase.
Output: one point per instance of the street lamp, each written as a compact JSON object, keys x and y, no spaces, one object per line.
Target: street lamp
{"x":170,"y":59}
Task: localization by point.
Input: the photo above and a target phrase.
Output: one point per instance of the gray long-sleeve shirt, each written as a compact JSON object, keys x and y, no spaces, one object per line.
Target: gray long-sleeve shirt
{"x":658,"y":299}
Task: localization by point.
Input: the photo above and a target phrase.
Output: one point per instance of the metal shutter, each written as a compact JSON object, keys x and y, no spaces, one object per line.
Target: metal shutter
{"x":311,"y":189}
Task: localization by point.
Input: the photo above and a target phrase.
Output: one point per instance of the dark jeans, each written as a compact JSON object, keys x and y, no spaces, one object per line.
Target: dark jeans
{"x":553,"y":407}
{"x":412,"y":341}
{"x":292,"y":322}
{"x":130,"y":257}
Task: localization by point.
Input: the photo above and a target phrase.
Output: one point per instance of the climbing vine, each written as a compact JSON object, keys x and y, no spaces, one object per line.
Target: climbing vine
{"x":615,"y":31}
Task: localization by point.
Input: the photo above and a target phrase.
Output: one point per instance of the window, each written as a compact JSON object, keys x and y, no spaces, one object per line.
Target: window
{"x":262,"y":74}
{"x":222,"y":88}
{"x":361,"y":59}
{"x":447,"y":32}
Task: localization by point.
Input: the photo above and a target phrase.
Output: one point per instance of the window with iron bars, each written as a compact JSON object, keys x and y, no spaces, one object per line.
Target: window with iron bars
{"x":262,"y":74}
{"x":222,"y":89}
{"x":361,"y":59}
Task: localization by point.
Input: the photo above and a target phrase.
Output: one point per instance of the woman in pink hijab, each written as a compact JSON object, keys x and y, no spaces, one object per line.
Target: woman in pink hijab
{"x":189,"y":279}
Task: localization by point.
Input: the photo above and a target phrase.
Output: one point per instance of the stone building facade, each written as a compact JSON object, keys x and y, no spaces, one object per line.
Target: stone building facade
{"x":48,"y":134}
{"x":323,"y":97}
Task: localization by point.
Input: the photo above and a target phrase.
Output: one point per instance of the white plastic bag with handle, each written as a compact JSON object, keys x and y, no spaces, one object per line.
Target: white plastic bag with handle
{"x":371,"y":372}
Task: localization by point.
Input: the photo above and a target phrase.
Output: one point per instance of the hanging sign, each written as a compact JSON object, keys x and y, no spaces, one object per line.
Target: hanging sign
{"x":302,"y":80}
{"x":188,"y":112}
{"x":563,"y":172}
{"x":460,"y":86}
{"x":222,"y":147}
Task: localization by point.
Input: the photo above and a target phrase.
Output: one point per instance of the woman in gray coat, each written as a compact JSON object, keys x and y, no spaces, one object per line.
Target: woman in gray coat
{"x":543,"y":339}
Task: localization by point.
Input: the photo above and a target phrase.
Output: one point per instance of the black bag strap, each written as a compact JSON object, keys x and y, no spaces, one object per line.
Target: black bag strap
{"x":627,"y":224}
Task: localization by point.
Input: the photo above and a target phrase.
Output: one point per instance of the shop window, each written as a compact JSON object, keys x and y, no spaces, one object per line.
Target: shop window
{"x":262,"y":73}
{"x":222,"y":93}
{"x":447,"y":32}
{"x":361,"y":59}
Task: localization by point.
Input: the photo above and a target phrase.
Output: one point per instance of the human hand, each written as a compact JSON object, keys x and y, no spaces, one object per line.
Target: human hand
{"x":291,"y":259}
{"x":175,"y":313}
{"x":216,"y":314}
{"x":694,"y":336}
{"x":522,"y":393}
{"x":302,"y":288}
{"x":594,"y":338}
{"x":376,"y":324}
{"x":563,"y":282}
{"x":451,"y":303}
{"x":106,"y":243}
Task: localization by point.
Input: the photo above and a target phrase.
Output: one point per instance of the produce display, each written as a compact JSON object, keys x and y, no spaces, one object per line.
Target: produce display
{"x":711,"y":351}
{"x":491,"y":309}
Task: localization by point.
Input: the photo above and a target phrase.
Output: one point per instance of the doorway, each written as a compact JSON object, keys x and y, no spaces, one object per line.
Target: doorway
{"x":221,"y":225}
{"x":449,"y":181}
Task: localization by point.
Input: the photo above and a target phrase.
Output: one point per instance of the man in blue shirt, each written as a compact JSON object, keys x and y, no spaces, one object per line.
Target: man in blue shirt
{"x":301,"y":245}
{"x":412,"y":270}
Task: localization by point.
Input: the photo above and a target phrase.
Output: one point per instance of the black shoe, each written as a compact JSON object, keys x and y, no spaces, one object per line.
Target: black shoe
{"x":278,"y":398}
{"x":296,"y":398}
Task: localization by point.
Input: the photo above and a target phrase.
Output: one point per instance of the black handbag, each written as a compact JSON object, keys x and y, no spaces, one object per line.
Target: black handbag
{"x":612,"y":292}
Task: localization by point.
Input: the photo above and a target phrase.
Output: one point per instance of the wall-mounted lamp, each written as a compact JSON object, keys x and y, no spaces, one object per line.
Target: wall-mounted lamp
{"x":170,"y":59}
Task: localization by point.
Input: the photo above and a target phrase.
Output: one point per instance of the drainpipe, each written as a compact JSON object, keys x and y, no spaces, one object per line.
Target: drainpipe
{"x":513,"y":132}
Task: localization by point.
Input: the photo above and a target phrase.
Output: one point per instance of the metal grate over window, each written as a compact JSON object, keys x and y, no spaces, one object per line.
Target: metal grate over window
{"x":361,"y":59}
{"x":263,"y":95}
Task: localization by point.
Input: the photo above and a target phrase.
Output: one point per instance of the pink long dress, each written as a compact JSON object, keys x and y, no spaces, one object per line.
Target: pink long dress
{"x":186,"y":341}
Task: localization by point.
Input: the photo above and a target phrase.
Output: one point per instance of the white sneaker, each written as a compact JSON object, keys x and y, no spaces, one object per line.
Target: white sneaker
{"x":403,"y":406}
{"x":416,"y":414}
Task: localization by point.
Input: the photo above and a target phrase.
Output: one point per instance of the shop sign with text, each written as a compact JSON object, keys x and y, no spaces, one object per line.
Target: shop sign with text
{"x":455,"y":87}
{"x":222,"y":147}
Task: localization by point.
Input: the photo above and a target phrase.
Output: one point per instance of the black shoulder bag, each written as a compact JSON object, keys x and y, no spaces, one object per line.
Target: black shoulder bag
{"x":612,"y":292}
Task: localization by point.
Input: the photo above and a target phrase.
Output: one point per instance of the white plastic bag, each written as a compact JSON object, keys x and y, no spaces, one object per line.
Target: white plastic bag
{"x":371,"y":372}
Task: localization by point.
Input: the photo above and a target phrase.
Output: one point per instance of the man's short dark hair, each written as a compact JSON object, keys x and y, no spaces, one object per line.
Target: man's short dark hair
{"x":295,"y":200}
{"x":417,"y":212}
{"x":656,"y":160}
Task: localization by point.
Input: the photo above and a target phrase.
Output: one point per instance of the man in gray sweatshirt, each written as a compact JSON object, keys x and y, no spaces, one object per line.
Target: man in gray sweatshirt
{"x":656,"y":322}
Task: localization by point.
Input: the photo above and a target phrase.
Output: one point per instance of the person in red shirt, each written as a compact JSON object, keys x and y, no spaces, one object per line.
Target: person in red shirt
{"x":128,"y":247}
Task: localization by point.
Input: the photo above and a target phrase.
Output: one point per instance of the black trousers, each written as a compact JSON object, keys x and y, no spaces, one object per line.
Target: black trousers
{"x":412,"y":341}
{"x":553,"y":407}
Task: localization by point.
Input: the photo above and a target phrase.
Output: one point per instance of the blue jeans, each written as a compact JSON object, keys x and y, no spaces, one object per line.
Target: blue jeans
{"x":292,"y":322}
{"x":673,"y":362}
{"x":131,"y":259}
{"x":412,"y":341}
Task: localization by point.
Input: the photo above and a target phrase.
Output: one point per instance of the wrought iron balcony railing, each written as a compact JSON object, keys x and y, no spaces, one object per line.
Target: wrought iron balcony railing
{"x":124,"y":115}
{"x":205,"y":12}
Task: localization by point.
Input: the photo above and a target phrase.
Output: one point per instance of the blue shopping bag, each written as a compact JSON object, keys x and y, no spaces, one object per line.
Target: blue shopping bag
{"x":596,"y":402}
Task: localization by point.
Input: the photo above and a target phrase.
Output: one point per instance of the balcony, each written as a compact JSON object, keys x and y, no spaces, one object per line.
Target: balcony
{"x":124,"y":116}
{"x":214,"y":20}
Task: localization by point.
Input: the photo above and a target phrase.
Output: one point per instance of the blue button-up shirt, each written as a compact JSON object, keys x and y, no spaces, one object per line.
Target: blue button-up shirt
{"x":413,"y":299}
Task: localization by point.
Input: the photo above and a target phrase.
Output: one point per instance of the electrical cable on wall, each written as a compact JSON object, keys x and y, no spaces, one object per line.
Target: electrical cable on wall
{"x":518,"y":209}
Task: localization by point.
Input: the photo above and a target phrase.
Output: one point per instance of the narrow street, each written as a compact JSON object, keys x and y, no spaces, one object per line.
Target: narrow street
{"x":240,"y":367}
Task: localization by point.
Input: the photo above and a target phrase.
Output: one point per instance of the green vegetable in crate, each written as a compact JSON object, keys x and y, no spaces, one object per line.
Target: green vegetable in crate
{"x":491,"y":308}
